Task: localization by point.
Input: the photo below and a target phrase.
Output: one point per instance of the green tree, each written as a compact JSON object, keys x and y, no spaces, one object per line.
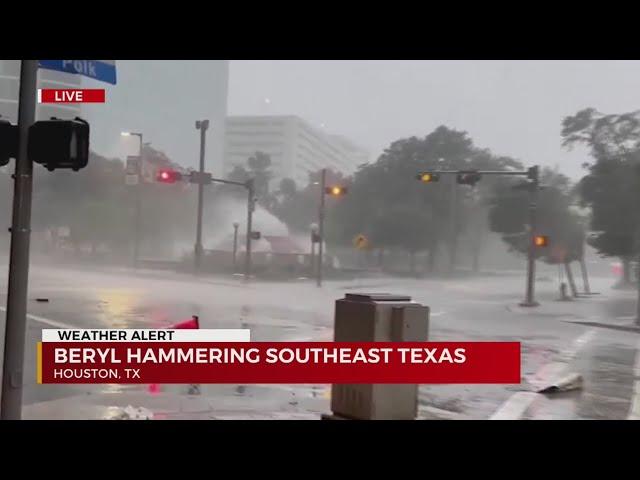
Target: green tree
{"x":391,"y":181}
{"x":298,"y":208}
{"x":555,"y":219}
{"x":288,"y":187}
{"x":611,"y":188}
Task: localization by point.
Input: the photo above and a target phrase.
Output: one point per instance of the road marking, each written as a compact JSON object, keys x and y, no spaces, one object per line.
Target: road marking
{"x":634,"y":409}
{"x":44,"y":320}
{"x":515,"y":406}
{"x":518,"y":403}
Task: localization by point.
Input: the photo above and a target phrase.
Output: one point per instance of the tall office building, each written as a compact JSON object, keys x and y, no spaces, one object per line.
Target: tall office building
{"x":295,"y":147}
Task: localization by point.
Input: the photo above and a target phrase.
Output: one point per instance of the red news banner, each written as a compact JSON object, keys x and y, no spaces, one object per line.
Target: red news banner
{"x":71,"y":95}
{"x":181,"y":357}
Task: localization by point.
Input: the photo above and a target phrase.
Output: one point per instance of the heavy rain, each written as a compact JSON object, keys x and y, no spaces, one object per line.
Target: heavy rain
{"x":502,"y":195}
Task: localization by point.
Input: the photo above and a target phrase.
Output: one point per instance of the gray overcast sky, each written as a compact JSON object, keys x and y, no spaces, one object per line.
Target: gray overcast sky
{"x":512,"y":107}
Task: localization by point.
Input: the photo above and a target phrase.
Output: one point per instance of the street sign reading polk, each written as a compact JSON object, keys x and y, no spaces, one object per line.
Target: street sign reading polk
{"x":102,"y":70}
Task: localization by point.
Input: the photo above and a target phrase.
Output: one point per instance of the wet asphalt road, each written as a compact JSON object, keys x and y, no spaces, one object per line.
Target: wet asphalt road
{"x":557,"y":337}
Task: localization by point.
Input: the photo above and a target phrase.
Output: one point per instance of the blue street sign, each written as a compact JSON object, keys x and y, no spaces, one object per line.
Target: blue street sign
{"x":102,"y":70}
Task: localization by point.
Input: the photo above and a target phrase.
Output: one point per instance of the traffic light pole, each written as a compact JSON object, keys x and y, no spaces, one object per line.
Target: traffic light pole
{"x":533,"y":174}
{"x":137,"y":215}
{"x":138,"y":205}
{"x":529,"y":300}
{"x":454,"y":227}
{"x":202,"y":125}
{"x":16,"y":314}
{"x":323,"y":184}
{"x":250,"y":208}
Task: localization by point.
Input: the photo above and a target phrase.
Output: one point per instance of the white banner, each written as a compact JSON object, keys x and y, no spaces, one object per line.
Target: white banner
{"x":145,"y":335}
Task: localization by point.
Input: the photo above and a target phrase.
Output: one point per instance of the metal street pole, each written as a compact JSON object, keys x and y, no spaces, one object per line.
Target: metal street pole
{"x":250,"y":207}
{"x":531,"y":258}
{"x":235,"y":245}
{"x":12,"y":375}
{"x":453,"y":226}
{"x":638,"y":300}
{"x":201,"y":125}
{"x":323,"y":183}
{"x":637,"y":272}
{"x":138,"y":206}
{"x":313,"y":254}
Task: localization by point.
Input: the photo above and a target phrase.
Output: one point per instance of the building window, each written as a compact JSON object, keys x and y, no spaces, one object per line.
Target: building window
{"x":9,"y":88}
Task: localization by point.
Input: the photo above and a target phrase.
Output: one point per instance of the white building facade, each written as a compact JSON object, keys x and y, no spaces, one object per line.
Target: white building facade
{"x":10,"y":89}
{"x":294,"y":146}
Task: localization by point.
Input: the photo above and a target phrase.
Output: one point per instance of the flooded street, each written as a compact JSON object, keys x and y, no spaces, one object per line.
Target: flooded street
{"x":557,"y":338}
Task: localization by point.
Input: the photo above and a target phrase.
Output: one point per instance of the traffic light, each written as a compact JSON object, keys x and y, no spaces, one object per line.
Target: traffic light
{"x":8,"y":142}
{"x":541,"y":241}
{"x":533,"y":172}
{"x":428,"y":177}
{"x":167,"y":175}
{"x":59,"y":143}
{"x":468,"y":178}
{"x":336,"y":190}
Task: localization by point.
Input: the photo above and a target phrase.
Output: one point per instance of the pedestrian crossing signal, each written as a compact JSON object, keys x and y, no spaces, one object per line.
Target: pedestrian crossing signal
{"x":8,"y":142}
{"x":59,"y":143}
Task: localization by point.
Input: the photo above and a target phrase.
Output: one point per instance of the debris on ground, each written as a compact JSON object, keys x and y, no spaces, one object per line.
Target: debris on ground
{"x":133,"y":413}
{"x":573,"y":381}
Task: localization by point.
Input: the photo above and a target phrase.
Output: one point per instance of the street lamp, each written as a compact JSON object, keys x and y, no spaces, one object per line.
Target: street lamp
{"x":201,"y":125}
{"x":138,"y":198}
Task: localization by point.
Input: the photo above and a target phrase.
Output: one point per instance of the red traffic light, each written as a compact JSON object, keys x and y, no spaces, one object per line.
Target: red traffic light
{"x":167,"y":175}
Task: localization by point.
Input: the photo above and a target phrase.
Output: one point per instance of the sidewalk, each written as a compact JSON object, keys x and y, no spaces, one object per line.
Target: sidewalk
{"x":264,"y":402}
{"x":217,"y":402}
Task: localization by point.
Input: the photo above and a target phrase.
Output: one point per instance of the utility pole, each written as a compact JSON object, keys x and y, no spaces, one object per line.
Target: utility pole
{"x":201,"y":125}
{"x":531,"y":258}
{"x":235,"y":244}
{"x":250,"y":208}
{"x":323,"y":184}
{"x":12,"y":375}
